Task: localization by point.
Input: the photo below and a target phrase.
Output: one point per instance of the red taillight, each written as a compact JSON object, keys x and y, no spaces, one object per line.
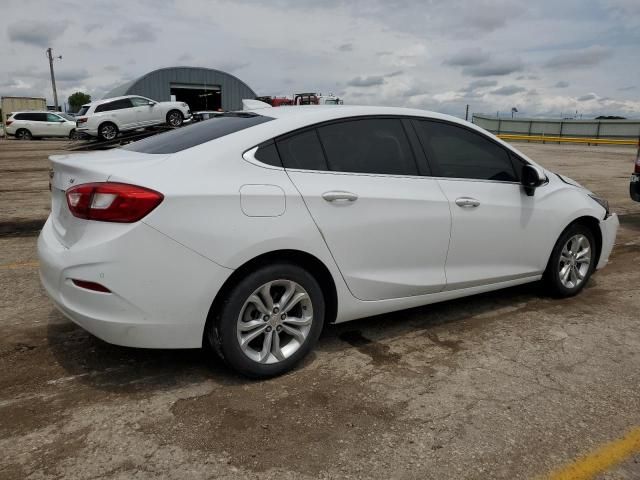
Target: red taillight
{"x":81,"y":120}
{"x":637,"y":167}
{"x":9,"y":122}
{"x":112,"y":202}
{"x":96,"y":287}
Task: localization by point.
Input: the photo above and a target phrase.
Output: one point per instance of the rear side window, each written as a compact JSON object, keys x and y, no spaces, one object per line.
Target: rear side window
{"x":375,"y":145}
{"x":267,"y":153}
{"x":201,"y":132}
{"x":115,"y":105}
{"x":456,"y":152}
{"x":33,"y":117}
{"x":303,"y":151}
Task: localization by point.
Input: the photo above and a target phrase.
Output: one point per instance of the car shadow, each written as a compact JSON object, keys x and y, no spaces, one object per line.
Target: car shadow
{"x":107,"y":367}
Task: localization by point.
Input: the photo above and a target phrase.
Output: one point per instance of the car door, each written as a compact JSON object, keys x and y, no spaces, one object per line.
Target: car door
{"x":122,"y":112}
{"x":55,"y":126}
{"x":147,"y":111}
{"x":498,"y":232}
{"x":37,"y":123}
{"x":386,"y":225}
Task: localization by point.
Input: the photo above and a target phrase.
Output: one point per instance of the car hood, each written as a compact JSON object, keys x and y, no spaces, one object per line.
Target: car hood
{"x":174,"y":104}
{"x":570,"y":181}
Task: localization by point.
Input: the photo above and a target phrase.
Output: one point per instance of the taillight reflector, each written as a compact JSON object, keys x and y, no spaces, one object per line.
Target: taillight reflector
{"x":96,"y":287}
{"x":112,"y":202}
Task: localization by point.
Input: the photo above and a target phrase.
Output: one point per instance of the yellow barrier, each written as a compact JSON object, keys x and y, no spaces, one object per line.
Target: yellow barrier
{"x":556,"y":139}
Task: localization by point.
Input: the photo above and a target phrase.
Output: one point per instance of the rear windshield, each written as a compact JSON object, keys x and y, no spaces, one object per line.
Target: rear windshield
{"x":83,"y":110}
{"x":192,"y":135}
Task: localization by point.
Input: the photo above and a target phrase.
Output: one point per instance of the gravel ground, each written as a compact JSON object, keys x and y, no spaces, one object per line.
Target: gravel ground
{"x":507,"y":385}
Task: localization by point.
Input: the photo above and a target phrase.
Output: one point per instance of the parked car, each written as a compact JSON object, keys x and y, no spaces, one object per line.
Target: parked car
{"x":634,"y":184}
{"x":251,"y":231}
{"x":28,"y":125}
{"x":106,"y":118}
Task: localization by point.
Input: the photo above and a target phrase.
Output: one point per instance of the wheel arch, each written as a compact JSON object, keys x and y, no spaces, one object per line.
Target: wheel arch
{"x":104,"y":122}
{"x":173,"y":109}
{"x":306,"y":260}
{"x":593,"y":224}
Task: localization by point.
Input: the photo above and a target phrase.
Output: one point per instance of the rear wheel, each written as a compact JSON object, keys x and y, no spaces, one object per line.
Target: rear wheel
{"x":107,"y":131}
{"x":24,"y":134}
{"x":73,"y":135}
{"x":572,"y":261}
{"x":175,"y":118}
{"x":270,"y":321}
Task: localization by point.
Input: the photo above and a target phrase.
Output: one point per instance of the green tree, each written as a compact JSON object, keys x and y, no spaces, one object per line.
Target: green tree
{"x":76,"y":100}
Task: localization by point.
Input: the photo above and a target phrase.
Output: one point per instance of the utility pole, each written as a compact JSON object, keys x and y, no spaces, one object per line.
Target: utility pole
{"x":53,"y":77}
{"x":466,"y":113}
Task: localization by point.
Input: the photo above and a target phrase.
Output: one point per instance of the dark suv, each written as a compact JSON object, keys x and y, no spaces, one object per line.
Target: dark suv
{"x":634,"y":185}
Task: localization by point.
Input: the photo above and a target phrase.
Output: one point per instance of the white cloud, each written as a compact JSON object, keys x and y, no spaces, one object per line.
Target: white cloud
{"x":450,"y":52}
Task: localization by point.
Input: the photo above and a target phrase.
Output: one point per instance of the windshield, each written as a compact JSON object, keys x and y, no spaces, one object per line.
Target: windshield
{"x":83,"y":110}
{"x":67,"y":116}
{"x":331,"y":102}
{"x":201,"y":132}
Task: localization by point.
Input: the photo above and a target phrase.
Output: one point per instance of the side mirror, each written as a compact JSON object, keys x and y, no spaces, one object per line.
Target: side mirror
{"x":151,"y":104}
{"x":532,"y":177}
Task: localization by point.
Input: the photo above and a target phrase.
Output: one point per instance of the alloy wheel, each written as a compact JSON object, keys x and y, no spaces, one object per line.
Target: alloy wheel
{"x":575,"y":260}
{"x":108,"y":132}
{"x":23,"y":134}
{"x":274,"y":321}
{"x":175,"y":119}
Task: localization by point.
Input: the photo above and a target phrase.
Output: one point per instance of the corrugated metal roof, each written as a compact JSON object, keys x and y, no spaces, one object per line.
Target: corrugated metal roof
{"x":157,"y":85}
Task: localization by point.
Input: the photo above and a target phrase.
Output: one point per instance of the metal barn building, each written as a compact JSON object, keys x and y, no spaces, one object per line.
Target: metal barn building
{"x":200,"y":88}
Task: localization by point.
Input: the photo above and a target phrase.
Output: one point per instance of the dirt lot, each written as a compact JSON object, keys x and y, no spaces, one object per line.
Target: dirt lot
{"x":506,"y":385}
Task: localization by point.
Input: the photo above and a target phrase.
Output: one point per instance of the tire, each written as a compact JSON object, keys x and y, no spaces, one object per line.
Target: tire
{"x":73,"y":135}
{"x":572,"y":261}
{"x":175,"y":118}
{"x":24,"y":134}
{"x":260,"y":338}
{"x":107,"y":131}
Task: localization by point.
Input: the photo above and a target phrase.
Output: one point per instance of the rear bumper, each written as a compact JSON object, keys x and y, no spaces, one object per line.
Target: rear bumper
{"x":89,"y":131}
{"x":609,"y":230}
{"x":161,"y":291}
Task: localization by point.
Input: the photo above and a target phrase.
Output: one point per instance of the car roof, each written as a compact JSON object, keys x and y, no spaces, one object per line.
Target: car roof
{"x":329,"y":112}
{"x":108,"y":100}
{"x":291,"y":118}
{"x":34,"y":111}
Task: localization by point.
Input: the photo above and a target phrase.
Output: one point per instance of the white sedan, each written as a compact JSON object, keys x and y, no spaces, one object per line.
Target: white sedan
{"x":253,"y":230}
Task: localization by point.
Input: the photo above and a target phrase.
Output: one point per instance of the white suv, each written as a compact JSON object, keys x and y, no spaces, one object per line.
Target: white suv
{"x":106,"y":118}
{"x":28,"y":125}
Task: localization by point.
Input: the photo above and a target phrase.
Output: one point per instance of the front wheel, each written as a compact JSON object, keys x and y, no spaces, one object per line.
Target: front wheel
{"x":270,"y":321}
{"x":572,"y":262}
{"x":74,"y":135}
{"x":175,"y":118}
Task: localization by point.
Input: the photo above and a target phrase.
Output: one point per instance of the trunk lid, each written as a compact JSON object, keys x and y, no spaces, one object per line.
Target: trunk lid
{"x":75,"y":169}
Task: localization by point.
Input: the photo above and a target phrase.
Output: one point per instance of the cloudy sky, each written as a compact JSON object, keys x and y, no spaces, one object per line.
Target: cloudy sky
{"x":546,"y":58}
